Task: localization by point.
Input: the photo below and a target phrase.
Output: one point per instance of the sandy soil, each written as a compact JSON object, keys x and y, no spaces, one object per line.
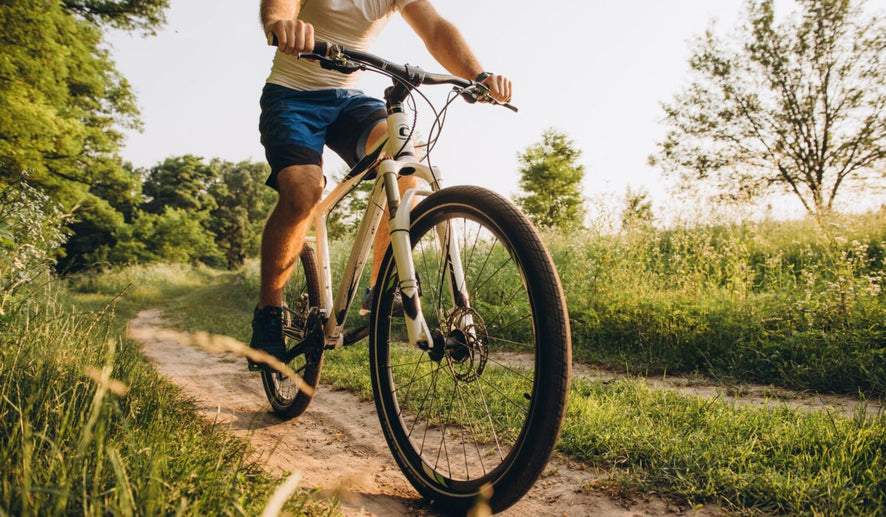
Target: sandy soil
{"x":337,"y":445}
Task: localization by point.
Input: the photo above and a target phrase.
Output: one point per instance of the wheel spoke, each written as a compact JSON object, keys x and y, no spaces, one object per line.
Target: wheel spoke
{"x":458,"y":412}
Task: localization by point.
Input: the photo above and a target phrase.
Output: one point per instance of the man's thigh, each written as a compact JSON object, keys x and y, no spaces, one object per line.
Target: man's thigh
{"x":351,"y":132}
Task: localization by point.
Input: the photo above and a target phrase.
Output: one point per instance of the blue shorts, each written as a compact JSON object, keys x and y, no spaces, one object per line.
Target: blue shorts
{"x":296,"y":124}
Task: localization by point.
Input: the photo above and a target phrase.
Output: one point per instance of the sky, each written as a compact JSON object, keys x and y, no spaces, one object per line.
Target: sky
{"x":598,"y":71}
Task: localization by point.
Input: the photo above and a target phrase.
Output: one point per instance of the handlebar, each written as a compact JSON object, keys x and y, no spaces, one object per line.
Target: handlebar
{"x":344,"y":60}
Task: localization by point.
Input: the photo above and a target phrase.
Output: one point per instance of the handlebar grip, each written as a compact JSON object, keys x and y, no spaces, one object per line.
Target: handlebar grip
{"x":320,"y":47}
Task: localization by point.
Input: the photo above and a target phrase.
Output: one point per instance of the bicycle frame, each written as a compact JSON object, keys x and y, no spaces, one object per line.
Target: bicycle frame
{"x":390,"y":157}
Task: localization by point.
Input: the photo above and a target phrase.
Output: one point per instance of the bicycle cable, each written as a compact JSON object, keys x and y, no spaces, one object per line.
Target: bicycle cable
{"x":439,"y":116}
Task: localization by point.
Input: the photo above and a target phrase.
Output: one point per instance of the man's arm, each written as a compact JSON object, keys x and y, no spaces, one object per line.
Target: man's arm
{"x":279,"y":17}
{"x":446,"y":44}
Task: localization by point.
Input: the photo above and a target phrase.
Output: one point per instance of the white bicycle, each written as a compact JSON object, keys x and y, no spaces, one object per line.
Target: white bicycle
{"x":470,"y":380}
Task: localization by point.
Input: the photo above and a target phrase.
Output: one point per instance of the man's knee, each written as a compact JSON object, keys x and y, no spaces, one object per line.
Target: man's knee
{"x":300,"y":189}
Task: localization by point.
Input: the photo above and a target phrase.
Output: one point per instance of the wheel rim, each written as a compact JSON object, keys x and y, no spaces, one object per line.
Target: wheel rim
{"x":463,"y":406}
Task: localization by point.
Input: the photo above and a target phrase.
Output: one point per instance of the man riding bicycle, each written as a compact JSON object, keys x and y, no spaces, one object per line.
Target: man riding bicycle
{"x":305,"y":107}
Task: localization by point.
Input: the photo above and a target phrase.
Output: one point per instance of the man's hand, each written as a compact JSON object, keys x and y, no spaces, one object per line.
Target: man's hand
{"x":499,"y":87}
{"x":293,"y":36}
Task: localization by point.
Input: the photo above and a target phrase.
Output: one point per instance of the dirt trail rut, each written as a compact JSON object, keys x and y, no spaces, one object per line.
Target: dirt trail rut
{"x":337,"y":443}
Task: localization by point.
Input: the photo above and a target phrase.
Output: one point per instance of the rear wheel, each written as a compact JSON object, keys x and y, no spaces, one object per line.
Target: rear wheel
{"x":478,"y":413}
{"x":301,"y":321}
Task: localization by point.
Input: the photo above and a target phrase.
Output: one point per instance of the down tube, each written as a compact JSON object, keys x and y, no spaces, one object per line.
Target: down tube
{"x":356,"y":261}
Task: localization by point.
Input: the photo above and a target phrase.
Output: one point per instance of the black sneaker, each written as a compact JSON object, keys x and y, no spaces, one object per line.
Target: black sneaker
{"x":369,"y":297}
{"x":267,"y":333}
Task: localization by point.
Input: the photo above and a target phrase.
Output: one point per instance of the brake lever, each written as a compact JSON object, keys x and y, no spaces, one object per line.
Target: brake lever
{"x":480,"y":93}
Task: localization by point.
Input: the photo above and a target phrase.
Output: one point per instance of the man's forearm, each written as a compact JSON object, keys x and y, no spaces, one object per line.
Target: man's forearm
{"x":273,"y":10}
{"x":450,"y":49}
{"x":442,"y":39}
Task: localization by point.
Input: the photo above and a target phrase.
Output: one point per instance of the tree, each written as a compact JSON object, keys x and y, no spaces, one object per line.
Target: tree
{"x":62,"y":105}
{"x":180,"y":182}
{"x":197,"y":212}
{"x":130,"y":15}
{"x":242,"y":203}
{"x":551,"y":180}
{"x":637,"y":212}
{"x":173,"y":235}
{"x":796,"y":106}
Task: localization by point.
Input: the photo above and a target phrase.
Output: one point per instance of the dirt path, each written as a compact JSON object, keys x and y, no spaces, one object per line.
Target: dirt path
{"x":337,"y":444}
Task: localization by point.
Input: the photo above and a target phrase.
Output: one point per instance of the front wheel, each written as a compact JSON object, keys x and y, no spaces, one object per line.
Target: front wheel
{"x":478,"y":413}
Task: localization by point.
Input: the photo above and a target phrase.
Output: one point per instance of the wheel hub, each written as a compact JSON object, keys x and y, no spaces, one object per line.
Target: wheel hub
{"x":463,"y":344}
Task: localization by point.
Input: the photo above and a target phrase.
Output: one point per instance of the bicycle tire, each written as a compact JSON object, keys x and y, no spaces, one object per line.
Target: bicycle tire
{"x":480,"y":396}
{"x":303,"y":290}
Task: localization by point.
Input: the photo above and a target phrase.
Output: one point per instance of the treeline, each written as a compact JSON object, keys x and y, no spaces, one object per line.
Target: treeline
{"x":184,"y":209}
{"x":62,"y":108}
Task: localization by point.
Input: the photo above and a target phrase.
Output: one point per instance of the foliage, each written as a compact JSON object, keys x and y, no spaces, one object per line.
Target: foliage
{"x":180,"y":182}
{"x":197,"y":211}
{"x":89,"y":428}
{"x":637,"y":211}
{"x":551,"y":181}
{"x":784,"y":303}
{"x":176,"y":235}
{"x":62,"y":104}
{"x":31,"y":231}
{"x":796,"y":106}
{"x":242,"y":202}
{"x":143,"y":15}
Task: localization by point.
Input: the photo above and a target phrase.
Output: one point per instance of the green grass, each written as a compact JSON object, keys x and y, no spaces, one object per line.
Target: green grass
{"x":790,"y":304}
{"x":690,"y":450}
{"x":73,"y":442}
{"x":693,"y":450}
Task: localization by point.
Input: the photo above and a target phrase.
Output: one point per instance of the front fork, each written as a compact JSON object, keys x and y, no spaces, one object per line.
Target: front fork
{"x":401,"y":244}
{"x":399,"y":224}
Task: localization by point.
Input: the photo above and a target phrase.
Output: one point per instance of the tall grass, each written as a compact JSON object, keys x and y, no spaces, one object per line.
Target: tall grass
{"x":86,"y":426}
{"x":797,"y":304}
{"x":89,"y":428}
{"x":791,"y":303}
{"x":690,"y":450}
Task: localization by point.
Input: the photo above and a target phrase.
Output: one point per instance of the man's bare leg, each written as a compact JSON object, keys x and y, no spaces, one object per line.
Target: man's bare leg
{"x":300,"y":189}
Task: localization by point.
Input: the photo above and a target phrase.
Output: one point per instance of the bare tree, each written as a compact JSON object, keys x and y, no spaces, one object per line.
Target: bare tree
{"x":796,"y":106}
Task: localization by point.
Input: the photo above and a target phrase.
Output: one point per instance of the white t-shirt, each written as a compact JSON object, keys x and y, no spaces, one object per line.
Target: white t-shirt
{"x":351,"y":23}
